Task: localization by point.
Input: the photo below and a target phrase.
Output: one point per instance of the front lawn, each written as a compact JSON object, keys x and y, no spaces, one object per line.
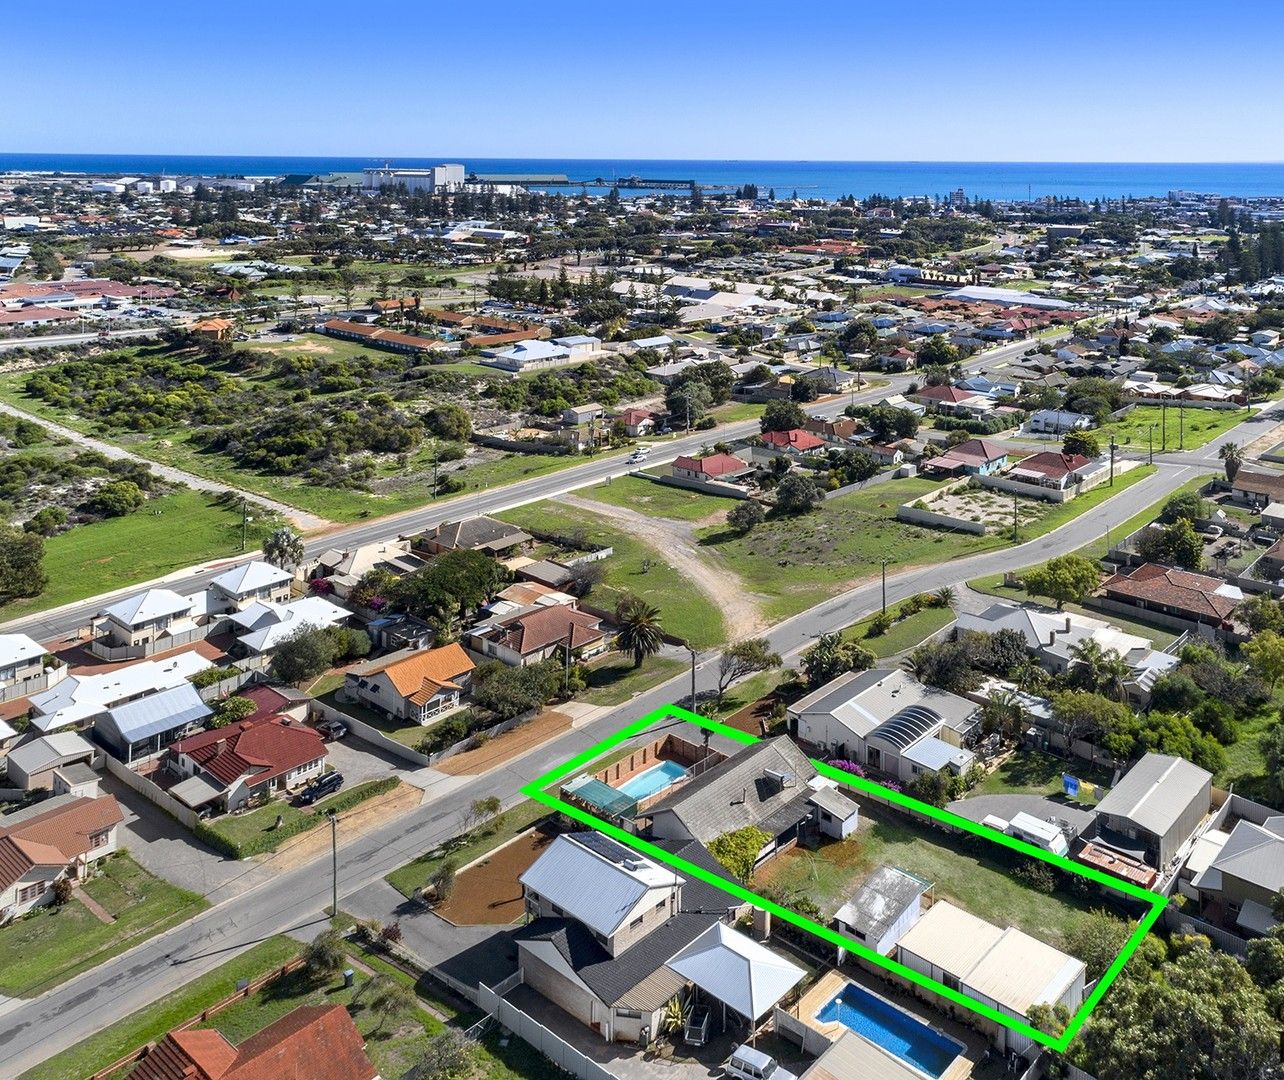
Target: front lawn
{"x":407,"y":879}
{"x":167,"y":534}
{"x":57,"y":943}
{"x":614,"y":679}
{"x":904,"y":634}
{"x":965,"y":870}
{"x":660,"y":500}
{"x":635,"y":567}
{"x":1200,"y":426}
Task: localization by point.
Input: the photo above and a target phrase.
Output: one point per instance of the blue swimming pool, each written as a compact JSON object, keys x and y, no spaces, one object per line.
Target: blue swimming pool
{"x":883,"y":1024}
{"x":653,"y":781}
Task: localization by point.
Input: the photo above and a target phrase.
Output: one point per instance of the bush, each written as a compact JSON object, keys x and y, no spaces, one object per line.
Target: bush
{"x":879,"y":624}
{"x":1037,"y":875}
{"x":116,"y":499}
{"x":213,"y":675}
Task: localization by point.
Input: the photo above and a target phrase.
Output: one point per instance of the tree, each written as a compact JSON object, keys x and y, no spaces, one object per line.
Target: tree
{"x":638,"y":628}
{"x":1081,"y":442}
{"x":1264,"y":653}
{"x":116,"y":499}
{"x":796,"y":494}
{"x":888,"y":423}
{"x":390,"y":997}
{"x":1085,"y":715}
{"x":451,"y":585}
{"x":1065,"y":579}
{"x":745,"y":515}
{"x":446,"y":1056}
{"x":510,"y":691}
{"x":1004,"y":713}
{"x":1261,"y":612}
{"x":303,"y":656}
{"x":782,"y":416}
{"x":1232,"y":456}
{"x":46,"y":521}
{"x":738,"y":850}
{"x":324,"y":955}
{"x":1185,"y":504}
{"x":831,"y":656}
{"x":449,"y":421}
{"x":947,"y":665}
{"x":1177,"y":544}
{"x":744,"y":658}
{"x":21,"y":557}
{"x":688,"y":402}
{"x":481,"y":811}
{"x":231,"y":710}
{"x":1271,"y":745}
{"x":1097,"y":939}
{"x":283,"y":547}
{"x":441,"y":882}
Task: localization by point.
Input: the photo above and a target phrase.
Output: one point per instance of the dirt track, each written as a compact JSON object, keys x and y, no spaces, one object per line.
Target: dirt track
{"x":676,"y":542}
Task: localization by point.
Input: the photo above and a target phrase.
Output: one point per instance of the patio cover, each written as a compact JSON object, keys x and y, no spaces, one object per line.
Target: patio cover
{"x":737,"y":971}
{"x":196,"y":791}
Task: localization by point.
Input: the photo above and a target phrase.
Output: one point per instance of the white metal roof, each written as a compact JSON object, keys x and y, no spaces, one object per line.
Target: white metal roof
{"x":1020,"y":971}
{"x":736,"y":970}
{"x":310,"y":613}
{"x":80,"y":697}
{"x":250,"y":577}
{"x":146,"y":606}
{"x":15,"y":648}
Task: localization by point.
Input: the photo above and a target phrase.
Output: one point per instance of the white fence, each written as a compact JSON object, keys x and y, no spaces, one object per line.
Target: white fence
{"x":531,"y":1031}
{"x":790,"y":1027}
{"x":26,"y":687}
{"x":149,"y":791}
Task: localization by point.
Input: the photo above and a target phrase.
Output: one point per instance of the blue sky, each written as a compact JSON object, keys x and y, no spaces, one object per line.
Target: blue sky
{"x":967,"y":80}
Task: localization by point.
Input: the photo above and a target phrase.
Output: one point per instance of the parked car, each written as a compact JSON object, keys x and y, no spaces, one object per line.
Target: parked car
{"x":332,"y":729}
{"x":1213,"y":532}
{"x":319,"y":789}
{"x":747,"y":1063}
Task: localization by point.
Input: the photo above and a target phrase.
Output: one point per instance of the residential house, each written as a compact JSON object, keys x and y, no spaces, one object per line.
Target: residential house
{"x":21,"y":659}
{"x":614,"y":937}
{"x":214,"y":329}
{"x":412,"y":684}
{"x":250,"y":759}
{"x":637,"y":422}
{"x":314,"y":1042}
{"x":767,"y":786}
{"x":583,"y":414}
{"x":154,"y":620}
{"x":1238,"y":887}
{"x":883,"y":909}
{"x":146,"y":726}
{"x":1258,"y":489}
{"x":1151,"y":814}
{"x":1178,"y":594}
{"x":344,"y":568}
{"x":32,"y":765}
{"x":833,"y":431}
{"x":976,"y":457}
{"x":538,"y":634}
{"x":794,"y":441}
{"x":529,"y":355}
{"x":1058,"y":421}
{"x":262,"y":626}
{"x":1054,"y":471}
{"x":888,"y":721}
{"x":710,"y":467}
{"x":61,"y":837}
{"x":486,"y":534}
{"x":1006,"y":969}
{"x":235,"y":589}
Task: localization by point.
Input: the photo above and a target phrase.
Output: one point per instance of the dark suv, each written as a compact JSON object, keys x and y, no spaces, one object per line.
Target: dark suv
{"x":319,"y":789}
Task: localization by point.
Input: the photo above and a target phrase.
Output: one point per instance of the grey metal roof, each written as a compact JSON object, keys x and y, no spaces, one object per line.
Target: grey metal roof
{"x":1252,"y":854}
{"x":737,"y":792}
{"x":880,"y":901}
{"x":39,"y":754}
{"x":156,"y":713}
{"x":1156,"y":791}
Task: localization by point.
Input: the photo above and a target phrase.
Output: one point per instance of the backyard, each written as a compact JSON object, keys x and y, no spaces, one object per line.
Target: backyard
{"x":59,"y":942}
{"x":1034,"y":772}
{"x":966,"y":870}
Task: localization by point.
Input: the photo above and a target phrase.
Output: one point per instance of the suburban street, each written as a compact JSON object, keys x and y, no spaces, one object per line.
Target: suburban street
{"x":294,"y":901}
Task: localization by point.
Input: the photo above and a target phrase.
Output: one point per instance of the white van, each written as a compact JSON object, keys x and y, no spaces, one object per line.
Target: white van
{"x":746,"y":1063}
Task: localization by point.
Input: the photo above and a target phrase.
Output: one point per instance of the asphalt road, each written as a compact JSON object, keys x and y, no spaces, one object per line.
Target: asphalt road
{"x":45,"y":341}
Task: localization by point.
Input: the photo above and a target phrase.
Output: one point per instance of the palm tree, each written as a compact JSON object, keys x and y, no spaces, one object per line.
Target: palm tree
{"x":283,"y":547}
{"x":673,"y":1017}
{"x":1089,"y":655}
{"x":1113,"y":674}
{"x":944,"y":597}
{"x":639,"y":629}
{"x":1232,"y":455}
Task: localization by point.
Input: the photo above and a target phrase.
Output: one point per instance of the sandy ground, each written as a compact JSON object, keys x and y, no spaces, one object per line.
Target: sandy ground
{"x":489,"y":892}
{"x":676,"y":540}
{"x":510,"y":744}
{"x":361,"y":818}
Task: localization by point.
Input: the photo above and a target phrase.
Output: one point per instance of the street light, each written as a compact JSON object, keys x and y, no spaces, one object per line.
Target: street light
{"x":884,"y":562}
{"x":692,"y":651}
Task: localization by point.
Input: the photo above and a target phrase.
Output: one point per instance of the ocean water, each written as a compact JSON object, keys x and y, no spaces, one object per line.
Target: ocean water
{"x":811,"y":179}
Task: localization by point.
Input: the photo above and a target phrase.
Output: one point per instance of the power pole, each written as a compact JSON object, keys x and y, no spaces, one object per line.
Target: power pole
{"x":693,"y":677}
{"x":334,"y":863}
{"x":245,"y":521}
{"x":1015,"y":536}
{"x":1112,"y":461}
{"x":1163,"y":416}
{"x":1150,"y":443}
{"x":884,"y":562}
{"x":1181,"y":424}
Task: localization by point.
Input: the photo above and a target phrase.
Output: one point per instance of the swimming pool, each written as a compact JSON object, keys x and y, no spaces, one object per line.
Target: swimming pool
{"x":883,"y":1024}
{"x":653,"y":781}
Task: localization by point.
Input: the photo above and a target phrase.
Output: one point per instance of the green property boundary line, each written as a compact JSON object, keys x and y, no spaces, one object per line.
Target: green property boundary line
{"x":1157,"y":903}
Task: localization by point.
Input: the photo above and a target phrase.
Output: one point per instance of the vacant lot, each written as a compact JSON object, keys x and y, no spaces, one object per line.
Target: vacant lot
{"x":1200,"y":426}
{"x":56,"y":943}
{"x":904,"y":633}
{"x":649,"y":497}
{"x":965,"y":870}
{"x":489,"y":892}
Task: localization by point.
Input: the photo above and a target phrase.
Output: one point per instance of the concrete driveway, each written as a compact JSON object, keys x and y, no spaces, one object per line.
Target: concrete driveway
{"x":167,"y":849}
{"x":360,"y":761}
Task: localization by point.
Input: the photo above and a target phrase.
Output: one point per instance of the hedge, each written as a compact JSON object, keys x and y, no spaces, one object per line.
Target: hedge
{"x":977,"y":427}
{"x":271,"y":839}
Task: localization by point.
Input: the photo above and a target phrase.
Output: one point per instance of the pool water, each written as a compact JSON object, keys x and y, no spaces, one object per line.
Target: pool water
{"x":895,"y":1031}
{"x":653,"y":781}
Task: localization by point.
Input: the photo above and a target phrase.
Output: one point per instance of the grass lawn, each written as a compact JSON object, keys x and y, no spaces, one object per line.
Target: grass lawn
{"x":242,"y":828}
{"x":737,"y":411}
{"x":635,"y":567}
{"x":1033,"y":772}
{"x":660,"y":500}
{"x":1201,"y":426}
{"x":406,"y":879}
{"x":406,"y":733}
{"x":1057,"y":514}
{"x":961,"y":871}
{"x":150,"y":1024}
{"x":746,"y":692}
{"x":613,"y":680}
{"x":904,"y":634}
{"x":57,"y":943}
{"x":796,"y":562}
{"x":167,"y":534}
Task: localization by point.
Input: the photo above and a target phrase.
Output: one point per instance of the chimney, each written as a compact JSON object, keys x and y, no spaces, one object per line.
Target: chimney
{"x":1067,"y":624}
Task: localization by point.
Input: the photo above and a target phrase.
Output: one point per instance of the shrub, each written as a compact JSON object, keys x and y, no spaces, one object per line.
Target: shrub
{"x":1037,"y":875}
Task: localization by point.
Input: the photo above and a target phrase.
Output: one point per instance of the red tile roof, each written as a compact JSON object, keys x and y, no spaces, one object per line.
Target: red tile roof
{"x":1179,"y":590}
{"x":794,"y":439}
{"x":262,"y":749}
{"x":314,"y":1042}
{"x":1055,"y":465}
{"x":536,"y":630}
{"x":946,"y":394}
{"x":55,"y":837}
{"x":713,"y":465}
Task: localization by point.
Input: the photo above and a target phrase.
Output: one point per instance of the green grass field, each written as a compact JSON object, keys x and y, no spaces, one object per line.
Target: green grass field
{"x":904,"y":634}
{"x":167,"y":534}
{"x":1200,"y":425}
{"x":1033,"y":772}
{"x":57,"y":943}
{"x":243,"y":829}
{"x":635,"y":567}
{"x":661,"y":500}
{"x":962,"y":872}
{"x":613,"y":679}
